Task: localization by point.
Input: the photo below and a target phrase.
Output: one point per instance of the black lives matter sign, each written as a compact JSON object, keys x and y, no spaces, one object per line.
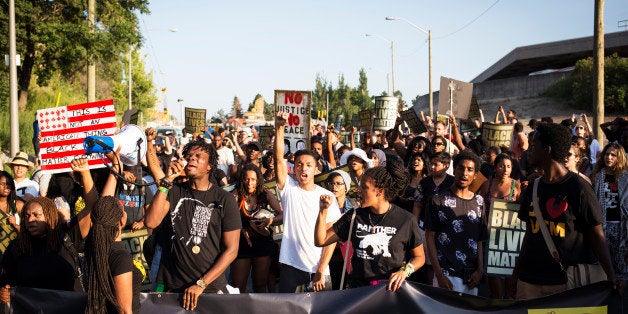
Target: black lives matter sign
{"x":506,"y":233}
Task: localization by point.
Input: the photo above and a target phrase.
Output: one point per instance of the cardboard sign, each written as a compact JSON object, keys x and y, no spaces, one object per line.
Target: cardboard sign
{"x":195,"y":120}
{"x":385,"y":112}
{"x":414,"y":122}
{"x":460,"y":97}
{"x":265,"y":136}
{"x":474,"y":113}
{"x":63,"y":130}
{"x":506,"y":233}
{"x":498,"y":134}
{"x":298,"y":104}
{"x":134,"y":244}
{"x":365,"y":120}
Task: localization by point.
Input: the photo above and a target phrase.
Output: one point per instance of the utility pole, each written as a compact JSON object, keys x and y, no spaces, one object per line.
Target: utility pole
{"x":91,"y":67}
{"x":13,"y":111}
{"x":598,"y":68}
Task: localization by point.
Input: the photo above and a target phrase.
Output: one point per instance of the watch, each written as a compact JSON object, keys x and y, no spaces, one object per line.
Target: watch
{"x":201,"y":283}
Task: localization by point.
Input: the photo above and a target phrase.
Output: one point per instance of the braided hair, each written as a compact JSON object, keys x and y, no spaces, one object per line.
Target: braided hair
{"x":51,"y":215}
{"x":106,"y":216}
{"x":12,"y":197}
{"x":394,"y":178}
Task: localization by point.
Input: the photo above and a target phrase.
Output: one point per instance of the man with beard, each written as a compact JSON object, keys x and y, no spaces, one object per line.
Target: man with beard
{"x":303,"y":262}
{"x":201,"y":226}
{"x":455,"y":229}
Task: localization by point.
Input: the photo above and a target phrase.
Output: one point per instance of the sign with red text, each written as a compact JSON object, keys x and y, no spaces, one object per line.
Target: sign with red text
{"x":298,"y":105}
{"x":63,"y":129}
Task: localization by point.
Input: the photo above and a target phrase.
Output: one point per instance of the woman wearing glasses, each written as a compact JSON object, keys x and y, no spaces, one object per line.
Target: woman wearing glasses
{"x":338,"y":182}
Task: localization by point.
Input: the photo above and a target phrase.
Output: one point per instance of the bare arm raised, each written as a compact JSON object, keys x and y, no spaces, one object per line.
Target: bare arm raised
{"x":281,"y":169}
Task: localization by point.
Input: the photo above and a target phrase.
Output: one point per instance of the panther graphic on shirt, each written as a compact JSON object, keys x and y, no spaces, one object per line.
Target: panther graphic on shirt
{"x":376,"y":238}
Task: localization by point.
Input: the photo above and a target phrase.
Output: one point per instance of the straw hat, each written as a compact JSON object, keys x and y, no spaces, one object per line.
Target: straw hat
{"x":21,"y":158}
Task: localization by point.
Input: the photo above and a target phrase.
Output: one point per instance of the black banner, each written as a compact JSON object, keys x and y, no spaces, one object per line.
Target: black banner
{"x":506,"y":233}
{"x":411,"y":298}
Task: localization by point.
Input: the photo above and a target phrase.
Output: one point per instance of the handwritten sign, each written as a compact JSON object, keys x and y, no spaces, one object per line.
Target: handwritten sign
{"x":63,"y":130}
{"x":195,"y":120}
{"x":506,"y":233}
{"x":298,"y":105}
{"x":414,"y":122}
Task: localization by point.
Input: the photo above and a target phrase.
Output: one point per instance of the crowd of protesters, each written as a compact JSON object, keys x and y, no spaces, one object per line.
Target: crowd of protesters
{"x":395,"y":206}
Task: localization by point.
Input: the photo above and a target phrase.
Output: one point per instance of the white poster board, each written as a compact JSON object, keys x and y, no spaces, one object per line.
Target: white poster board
{"x":298,"y":105}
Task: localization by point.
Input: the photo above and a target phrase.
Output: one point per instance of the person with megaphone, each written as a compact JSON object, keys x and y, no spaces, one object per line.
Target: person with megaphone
{"x":201,"y":221}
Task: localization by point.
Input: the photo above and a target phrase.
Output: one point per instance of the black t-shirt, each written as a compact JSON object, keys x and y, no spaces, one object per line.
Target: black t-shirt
{"x":120,"y":262}
{"x":382,"y":243}
{"x":42,"y":269}
{"x":457,"y":234}
{"x":427,"y":189}
{"x":195,"y":225}
{"x":570,"y":208}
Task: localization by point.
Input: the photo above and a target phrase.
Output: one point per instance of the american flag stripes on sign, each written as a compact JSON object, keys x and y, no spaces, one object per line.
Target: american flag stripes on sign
{"x":63,"y":129}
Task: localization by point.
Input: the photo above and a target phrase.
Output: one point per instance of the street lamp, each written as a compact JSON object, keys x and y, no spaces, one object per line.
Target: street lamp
{"x":130,"y":78}
{"x":429,"y":40}
{"x":392,"y":58}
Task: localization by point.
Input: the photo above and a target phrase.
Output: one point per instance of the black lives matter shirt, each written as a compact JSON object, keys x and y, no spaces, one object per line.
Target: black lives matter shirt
{"x":194,"y":226}
{"x":380,"y":247}
{"x":569,"y":209}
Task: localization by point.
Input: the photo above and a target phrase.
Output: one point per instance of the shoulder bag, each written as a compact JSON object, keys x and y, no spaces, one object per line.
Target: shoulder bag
{"x":578,"y":275}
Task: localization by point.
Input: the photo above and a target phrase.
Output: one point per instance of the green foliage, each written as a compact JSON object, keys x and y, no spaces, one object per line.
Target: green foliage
{"x":144,"y":94}
{"x":578,"y":88}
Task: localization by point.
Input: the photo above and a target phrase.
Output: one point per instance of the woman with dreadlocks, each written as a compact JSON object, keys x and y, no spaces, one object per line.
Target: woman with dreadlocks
{"x":387,"y":243}
{"x":113,"y":282}
{"x":256,"y":241}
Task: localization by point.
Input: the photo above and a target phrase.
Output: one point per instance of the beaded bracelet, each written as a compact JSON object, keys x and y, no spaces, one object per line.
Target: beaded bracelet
{"x":408,"y":269}
{"x":165,"y":183}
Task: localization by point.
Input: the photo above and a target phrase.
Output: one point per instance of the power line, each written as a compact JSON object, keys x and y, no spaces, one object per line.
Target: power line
{"x":471,"y":22}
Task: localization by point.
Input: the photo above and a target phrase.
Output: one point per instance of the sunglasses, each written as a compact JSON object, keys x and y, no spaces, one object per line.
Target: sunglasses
{"x":439,"y":144}
{"x":332,"y":184}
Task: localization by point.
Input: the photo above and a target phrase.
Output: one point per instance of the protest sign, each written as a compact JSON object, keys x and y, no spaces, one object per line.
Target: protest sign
{"x":346,"y":138}
{"x":298,"y":105}
{"x":414,"y":122}
{"x":498,"y":134}
{"x":467,"y":125}
{"x":63,"y":129}
{"x":460,"y":100}
{"x":7,"y":232}
{"x":134,"y":244}
{"x":385,"y":112}
{"x":195,"y":120}
{"x":266,"y":133}
{"x":506,"y":233}
{"x":355,"y":120}
{"x":366,"y":118}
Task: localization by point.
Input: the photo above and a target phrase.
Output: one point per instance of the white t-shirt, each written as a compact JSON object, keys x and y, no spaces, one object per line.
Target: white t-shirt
{"x":26,"y":186}
{"x":300,"y":210}
{"x":225,"y":159}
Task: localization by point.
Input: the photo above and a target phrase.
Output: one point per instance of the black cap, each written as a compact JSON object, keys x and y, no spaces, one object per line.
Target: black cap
{"x":254,"y":145}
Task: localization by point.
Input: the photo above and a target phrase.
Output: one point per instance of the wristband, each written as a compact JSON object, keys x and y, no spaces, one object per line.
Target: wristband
{"x":163,"y":190}
{"x":408,"y":269}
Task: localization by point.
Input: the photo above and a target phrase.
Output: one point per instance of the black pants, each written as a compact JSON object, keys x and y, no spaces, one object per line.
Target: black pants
{"x":293,"y":280}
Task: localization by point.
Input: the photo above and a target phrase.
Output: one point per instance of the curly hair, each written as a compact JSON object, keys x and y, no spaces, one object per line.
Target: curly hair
{"x":51,"y":215}
{"x":557,"y":137}
{"x":106,"y":216}
{"x":394,"y":178}
{"x":467,"y":155}
{"x":620,"y":165}
{"x":426,"y":162}
{"x":206,"y":147}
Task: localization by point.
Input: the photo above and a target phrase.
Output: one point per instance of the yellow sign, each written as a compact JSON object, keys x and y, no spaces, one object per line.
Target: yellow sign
{"x":572,"y":310}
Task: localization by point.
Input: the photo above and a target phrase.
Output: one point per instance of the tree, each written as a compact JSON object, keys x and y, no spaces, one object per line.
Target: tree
{"x":220,"y":117}
{"x":319,"y":96}
{"x":360,"y":99}
{"x":236,"y":109}
{"x":143,"y":94}
{"x":54,"y":37}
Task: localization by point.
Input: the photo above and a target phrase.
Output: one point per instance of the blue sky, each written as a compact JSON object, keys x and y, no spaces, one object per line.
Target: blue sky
{"x":224,"y":49}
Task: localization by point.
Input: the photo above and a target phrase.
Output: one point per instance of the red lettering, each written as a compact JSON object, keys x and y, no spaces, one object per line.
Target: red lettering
{"x":292,"y":98}
{"x":294,"y":120}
